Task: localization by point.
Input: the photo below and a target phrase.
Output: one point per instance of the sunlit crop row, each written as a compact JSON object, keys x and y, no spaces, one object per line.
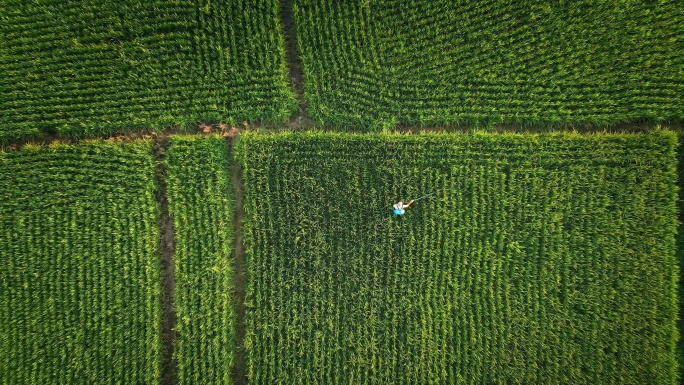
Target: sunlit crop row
{"x":200,"y":203}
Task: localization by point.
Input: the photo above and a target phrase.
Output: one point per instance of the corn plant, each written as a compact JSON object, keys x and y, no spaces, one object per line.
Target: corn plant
{"x":79,"y":265}
{"x":200,"y":203}
{"x":89,"y":68}
{"x":376,"y":63}
{"x":539,"y":259}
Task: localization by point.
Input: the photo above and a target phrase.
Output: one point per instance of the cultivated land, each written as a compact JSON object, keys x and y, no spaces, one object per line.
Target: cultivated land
{"x":79,"y":265}
{"x":200,"y":203}
{"x":433,"y":62}
{"x":89,"y":68}
{"x":540,"y":259}
{"x":680,"y":254}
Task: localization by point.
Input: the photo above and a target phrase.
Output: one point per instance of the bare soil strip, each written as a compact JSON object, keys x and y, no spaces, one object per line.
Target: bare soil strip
{"x":239,"y":372}
{"x":300,"y":120}
{"x":167,"y":251}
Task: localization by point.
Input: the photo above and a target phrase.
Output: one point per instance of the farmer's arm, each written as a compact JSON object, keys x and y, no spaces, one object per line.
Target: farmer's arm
{"x":410,"y":203}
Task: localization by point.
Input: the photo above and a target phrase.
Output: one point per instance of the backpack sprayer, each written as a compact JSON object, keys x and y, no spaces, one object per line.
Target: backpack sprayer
{"x":424,"y":196}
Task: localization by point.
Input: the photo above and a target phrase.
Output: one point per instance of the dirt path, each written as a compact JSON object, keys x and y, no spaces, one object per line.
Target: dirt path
{"x":300,"y":120}
{"x":167,"y":251}
{"x":239,"y":372}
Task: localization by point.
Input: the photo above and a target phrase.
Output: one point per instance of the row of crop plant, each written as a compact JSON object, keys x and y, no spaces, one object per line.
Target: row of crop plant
{"x":381,"y":63}
{"x":536,"y":259}
{"x":80,"y":294}
{"x":91,"y":68}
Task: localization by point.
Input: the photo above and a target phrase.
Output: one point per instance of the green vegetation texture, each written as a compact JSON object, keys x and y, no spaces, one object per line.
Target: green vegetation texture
{"x":433,"y":62}
{"x":92,"y":67}
{"x":201,"y":205}
{"x":680,"y":252}
{"x":79,"y":265}
{"x":539,"y":259}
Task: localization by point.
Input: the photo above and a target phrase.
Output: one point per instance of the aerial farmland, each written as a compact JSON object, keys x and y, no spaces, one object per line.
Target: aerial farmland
{"x":341,"y":192}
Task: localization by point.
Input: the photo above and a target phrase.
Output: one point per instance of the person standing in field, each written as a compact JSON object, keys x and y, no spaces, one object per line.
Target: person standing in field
{"x":399,"y":207}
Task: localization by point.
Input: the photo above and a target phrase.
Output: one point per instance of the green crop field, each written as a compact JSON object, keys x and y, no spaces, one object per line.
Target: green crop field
{"x":200,"y":203}
{"x":79,"y":265}
{"x":262,"y":256}
{"x":432,"y":62}
{"x":94,"y":67}
{"x":680,"y":253}
{"x":539,"y":259}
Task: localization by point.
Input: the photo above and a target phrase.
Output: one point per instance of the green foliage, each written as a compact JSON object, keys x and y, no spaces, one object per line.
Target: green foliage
{"x":79,"y":265}
{"x":376,"y":63}
{"x":201,"y":206}
{"x":91,"y":67}
{"x":680,"y":253}
{"x":541,"y":259}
